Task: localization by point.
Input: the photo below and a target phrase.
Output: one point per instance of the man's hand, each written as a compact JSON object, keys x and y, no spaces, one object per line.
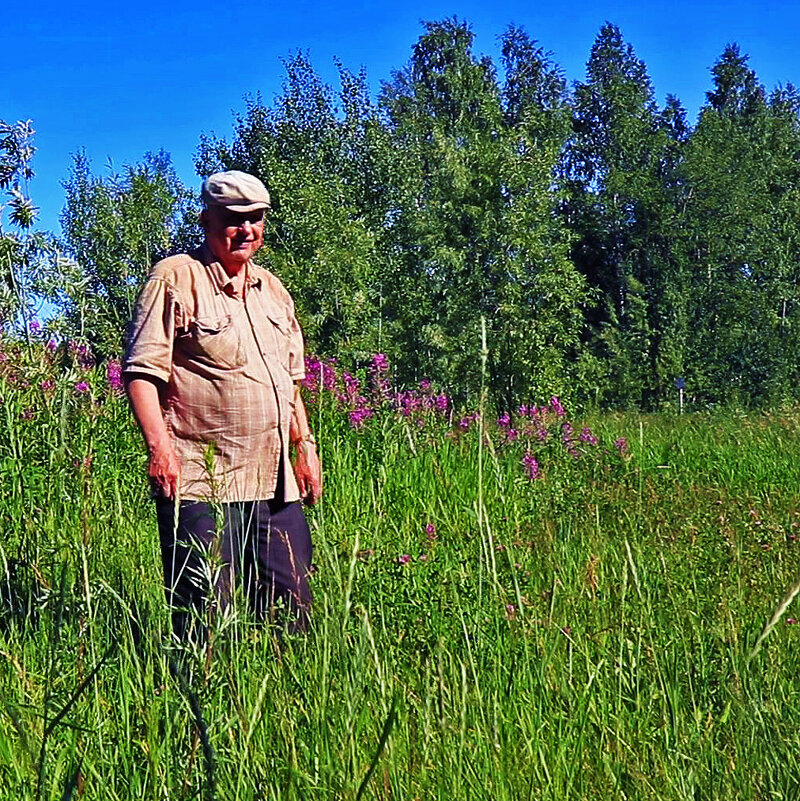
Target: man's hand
{"x":163,"y":467}
{"x":164,"y":470}
{"x":308,"y":471}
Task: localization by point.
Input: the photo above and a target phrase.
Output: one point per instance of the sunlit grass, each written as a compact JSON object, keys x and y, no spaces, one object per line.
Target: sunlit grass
{"x":581,"y":635}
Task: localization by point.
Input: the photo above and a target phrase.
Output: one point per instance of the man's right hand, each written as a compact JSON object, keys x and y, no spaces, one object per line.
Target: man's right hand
{"x":164,"y":471}
{"x":163,"y":467}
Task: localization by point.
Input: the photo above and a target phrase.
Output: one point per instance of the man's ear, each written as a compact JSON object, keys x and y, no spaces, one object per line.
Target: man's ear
{"x":203,"y":218}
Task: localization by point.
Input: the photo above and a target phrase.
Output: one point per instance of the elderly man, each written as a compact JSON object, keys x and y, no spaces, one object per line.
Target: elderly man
{"x":212,"y":370}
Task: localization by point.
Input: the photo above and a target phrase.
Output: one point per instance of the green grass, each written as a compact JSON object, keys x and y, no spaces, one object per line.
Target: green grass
{"x":585,"y":635}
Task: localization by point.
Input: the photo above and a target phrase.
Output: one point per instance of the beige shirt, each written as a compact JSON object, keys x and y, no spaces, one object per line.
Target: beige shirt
{"x":229,"y":365}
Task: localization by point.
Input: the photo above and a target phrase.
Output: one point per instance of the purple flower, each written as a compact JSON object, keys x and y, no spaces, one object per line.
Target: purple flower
{"x":442,"y":404}
{"x":81,"y":386}
{"x":28,"y":413}
{"x":531,"y":465}
{"x":35,"y":327}
{"x":52,"y":345}
{"x":380,"y":363}
{"x":47,"y":385}
{"x":328,"y":376}
{"x":403,"y":559}
{"x":504,"y":421}
{"x":566,"y":430}
{"x":114,"y":375}
{"x":359,"y":416}
{"x":622,"y":446}
{"x":522,"y":411}
{"x":557,"y":408}
{"x":82,"y":354}
{"x":587,"y":436}
{"x":430,"y":531}
{"x":425,"y":385}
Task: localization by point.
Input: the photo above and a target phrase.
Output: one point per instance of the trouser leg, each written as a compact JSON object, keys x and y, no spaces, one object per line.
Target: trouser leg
{"x":266,"y":544}
{"x":197,"y":562}
{"x":279,"y":561}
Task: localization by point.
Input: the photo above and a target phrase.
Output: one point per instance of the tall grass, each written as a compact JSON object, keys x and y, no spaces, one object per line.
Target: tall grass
{"x":596,"y":645}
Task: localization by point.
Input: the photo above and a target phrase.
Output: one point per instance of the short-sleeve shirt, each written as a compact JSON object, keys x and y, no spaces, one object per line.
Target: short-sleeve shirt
{"x":228,"y":366}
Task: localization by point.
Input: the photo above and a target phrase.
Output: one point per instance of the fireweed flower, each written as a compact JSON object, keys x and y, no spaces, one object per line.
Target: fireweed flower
{"x":556,"y":407}
{"x":114,"y":375}
{"x":430,"y":531}
{"x":47,"y":385}
{"x":587,"y":436}
{"x":425,"y":385}
{"x":622,"y":446}
{"x":82,"y":354}
{"x":52,"y":345}
{"x":531,"y":465}
{"x":35,"y":327}
{"x":81,"y":386}
{"x":313,"y":372}
{"x":360,"y":416}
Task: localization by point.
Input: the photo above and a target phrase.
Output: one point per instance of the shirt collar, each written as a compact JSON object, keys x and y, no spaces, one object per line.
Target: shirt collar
{"x":221,"y":280}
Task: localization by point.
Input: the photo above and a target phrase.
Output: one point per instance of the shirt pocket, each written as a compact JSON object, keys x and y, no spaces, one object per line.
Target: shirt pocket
{"x":215,"y":341}
{"x":281,"y":337}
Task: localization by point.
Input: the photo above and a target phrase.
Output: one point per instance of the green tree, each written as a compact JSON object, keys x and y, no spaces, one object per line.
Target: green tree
{"x":743,"y":166}
{"x":625,"y":208}
{"x":23,"y":252}
{"x":319,"y":156}
{"x":114,"y":229}
{"x":472,"y":223}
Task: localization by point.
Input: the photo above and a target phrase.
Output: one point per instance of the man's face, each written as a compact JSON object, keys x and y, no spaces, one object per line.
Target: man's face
{"x":233,"y":236}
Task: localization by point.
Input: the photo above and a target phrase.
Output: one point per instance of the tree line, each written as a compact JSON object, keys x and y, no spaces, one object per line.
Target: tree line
{"x":609,"y":246}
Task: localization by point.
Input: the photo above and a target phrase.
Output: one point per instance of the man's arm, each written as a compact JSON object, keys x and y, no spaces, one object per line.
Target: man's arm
{"x":307,"y":467}
{"x":163,"y":467}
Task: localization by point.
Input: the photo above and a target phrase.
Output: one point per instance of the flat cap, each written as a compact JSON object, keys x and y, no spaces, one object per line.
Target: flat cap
{"x":235,"y":190}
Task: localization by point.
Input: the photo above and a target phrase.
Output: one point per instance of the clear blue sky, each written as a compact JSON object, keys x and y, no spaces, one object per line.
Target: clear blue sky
{"x":120,"y":79}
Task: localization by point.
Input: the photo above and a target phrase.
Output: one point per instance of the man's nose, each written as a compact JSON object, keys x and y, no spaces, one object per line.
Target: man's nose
{"x":246,"y":227}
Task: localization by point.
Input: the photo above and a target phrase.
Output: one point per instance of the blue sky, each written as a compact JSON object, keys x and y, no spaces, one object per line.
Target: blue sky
{"x":122,"y":79}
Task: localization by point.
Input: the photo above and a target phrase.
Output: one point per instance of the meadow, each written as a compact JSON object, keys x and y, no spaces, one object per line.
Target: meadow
{"x":530,"y":606}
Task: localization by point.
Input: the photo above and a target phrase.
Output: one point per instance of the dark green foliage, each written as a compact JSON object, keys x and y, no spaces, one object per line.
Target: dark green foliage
{"x":474,"y":230}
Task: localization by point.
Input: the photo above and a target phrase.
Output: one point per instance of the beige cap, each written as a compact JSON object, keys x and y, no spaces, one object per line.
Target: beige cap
{"x":235,"y":190}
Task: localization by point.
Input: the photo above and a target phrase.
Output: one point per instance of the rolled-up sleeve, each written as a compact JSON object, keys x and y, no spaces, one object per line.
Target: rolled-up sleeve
{"x":297,"y":363}
{"x":152,"y":333}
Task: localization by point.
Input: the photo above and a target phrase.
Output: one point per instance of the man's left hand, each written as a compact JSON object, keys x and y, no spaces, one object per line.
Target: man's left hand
{"x":308,"y":471}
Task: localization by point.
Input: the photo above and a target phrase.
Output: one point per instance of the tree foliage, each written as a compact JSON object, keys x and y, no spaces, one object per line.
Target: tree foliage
{"x":608,"y":245}
{"x":114,"y":229}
